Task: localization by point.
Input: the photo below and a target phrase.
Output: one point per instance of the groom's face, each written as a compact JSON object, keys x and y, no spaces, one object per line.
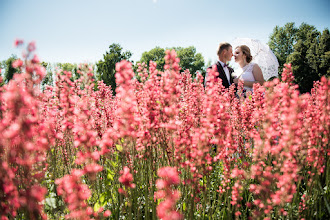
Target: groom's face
{"x":229,"y":54}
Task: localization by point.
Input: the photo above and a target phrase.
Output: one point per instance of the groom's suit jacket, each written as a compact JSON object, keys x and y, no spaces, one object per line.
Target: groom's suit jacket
{"x":222,"y":75}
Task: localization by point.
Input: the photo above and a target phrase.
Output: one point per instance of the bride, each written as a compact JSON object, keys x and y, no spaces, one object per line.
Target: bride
{"x":249,"y":73}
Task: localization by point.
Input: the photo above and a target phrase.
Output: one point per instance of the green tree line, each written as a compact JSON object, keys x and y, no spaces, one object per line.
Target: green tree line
{"x":306,"y":48}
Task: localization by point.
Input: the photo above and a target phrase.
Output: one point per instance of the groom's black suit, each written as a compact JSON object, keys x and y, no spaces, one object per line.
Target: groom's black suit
{"x":222,"y":75}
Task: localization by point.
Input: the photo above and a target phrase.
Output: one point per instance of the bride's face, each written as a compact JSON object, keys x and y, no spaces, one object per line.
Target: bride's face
{"x":239,"y":56}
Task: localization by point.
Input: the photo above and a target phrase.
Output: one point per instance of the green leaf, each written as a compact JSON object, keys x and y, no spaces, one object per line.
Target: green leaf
{"x":102,"y":198}
{"x":97,"y":206}
{"x":113,"y":163}
{"x":110,"y":175}
{"x":119,"y":147}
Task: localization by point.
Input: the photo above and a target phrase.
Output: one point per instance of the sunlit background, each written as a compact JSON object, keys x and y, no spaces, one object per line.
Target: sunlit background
{"x":81,"y":31}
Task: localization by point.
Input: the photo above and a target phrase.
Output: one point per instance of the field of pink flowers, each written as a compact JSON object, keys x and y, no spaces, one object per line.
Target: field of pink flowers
{"x":164,"y":147}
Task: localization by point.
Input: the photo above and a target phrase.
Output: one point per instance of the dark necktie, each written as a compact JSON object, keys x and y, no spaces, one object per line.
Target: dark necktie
{"x":225,"y":65}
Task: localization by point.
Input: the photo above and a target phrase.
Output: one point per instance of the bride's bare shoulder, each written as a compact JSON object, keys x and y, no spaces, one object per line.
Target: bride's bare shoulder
{"x":256,"y":67}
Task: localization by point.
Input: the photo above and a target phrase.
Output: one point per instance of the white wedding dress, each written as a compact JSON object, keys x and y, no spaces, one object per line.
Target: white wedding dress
{"x":246,"y":74}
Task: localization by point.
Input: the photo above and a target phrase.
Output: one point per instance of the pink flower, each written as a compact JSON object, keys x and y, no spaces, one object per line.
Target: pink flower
{"x":169,"y":178}
{"x":161,"y":184}
{"x":31,"y":46}
{"x":122,"y":191}
{"x":170,"y":175}
{"x":18,"y":42}
{"x":126,"y":178}
{"x":160,"y":194}
{"x":107,"y":213}
{"x":17,"y":63}
{"x":35,"y":59}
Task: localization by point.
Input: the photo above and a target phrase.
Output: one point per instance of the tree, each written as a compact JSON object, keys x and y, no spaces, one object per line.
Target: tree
{"x":9,"y":69}
{"x":310,"y":59}
{"x":156,"y":55}
{"x":67,"y":66}
{"x":189,"y":58}
{"x":281,"y":42}
{"x":303,"y":73}
{"x":2,"y":65}
{"x":304,"y":30}
{"x":323,"y":52}
{"x":306,"y":48}
{"x":106,"y":68}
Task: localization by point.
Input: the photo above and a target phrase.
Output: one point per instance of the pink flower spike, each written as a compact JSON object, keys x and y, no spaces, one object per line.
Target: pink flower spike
{"x":17,"y":63}
{"x":35,"y":59}
{"x":107,"y":213}
{"x":31,"y":46}
{"x":18,"y":42}
{"x":126,"y":178}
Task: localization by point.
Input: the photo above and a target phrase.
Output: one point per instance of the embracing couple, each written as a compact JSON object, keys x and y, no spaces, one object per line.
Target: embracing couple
{"x":248,"y":72}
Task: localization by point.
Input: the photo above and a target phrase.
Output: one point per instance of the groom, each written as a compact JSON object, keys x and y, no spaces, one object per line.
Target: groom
{"x":225,"y":52}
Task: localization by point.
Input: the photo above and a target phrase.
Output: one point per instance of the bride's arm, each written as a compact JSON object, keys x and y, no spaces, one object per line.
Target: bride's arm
{"x":257,"y":74}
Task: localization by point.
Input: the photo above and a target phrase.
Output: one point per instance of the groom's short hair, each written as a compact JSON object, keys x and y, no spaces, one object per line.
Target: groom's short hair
{"x":223,"y":46}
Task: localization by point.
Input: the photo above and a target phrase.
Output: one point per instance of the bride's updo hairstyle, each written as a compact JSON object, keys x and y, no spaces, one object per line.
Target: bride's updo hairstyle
{"x":246,"y":50}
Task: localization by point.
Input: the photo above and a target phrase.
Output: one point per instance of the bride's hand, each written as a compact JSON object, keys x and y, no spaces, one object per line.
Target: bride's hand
{"x":235,"y":80}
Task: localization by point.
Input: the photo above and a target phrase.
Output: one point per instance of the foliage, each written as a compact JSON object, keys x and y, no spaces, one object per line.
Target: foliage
{"x":310,"y":57}
{"x":9,"y":69}
{"x":106,"y":67}
{"x":156,"y":55}
{"x":306,"y":48}
{"x":281,"y":42}
{"x":189,"y":59}
{"x":67,"y":66}
{"x":320,"y":62}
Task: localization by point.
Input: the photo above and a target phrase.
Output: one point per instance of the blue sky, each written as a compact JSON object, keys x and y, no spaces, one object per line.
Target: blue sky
{"x":81,"y":31}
